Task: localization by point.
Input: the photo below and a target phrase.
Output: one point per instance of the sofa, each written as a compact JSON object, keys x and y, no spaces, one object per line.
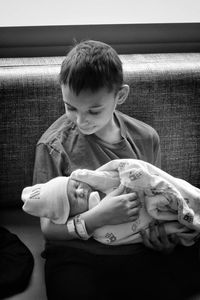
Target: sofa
{"x":164,"y":93}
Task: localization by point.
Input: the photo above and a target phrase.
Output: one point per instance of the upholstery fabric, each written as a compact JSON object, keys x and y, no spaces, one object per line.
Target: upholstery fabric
{"x":30,"y":102}
{"x":164,"y":93}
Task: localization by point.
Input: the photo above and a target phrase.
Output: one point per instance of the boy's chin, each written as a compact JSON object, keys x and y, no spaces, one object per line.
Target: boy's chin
{"x":87,"y":131}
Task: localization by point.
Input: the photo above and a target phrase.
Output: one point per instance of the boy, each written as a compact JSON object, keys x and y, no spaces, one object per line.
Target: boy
{"x":91,"y":133}
{"x":162,"y":196}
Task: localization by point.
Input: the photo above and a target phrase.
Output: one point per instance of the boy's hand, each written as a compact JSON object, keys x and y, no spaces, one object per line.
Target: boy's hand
{"x":158,"y":239}
{"x":118,"y":208}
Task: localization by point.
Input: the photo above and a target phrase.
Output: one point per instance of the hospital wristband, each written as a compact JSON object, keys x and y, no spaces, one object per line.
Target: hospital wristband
{"x":80,"y":228}
{"x":71,"y":228}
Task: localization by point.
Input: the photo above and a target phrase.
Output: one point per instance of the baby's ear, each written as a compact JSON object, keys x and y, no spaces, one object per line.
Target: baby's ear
{"x":122,"y":94}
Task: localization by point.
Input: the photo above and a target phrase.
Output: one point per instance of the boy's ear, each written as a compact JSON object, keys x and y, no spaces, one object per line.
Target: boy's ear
{"x":122,"y":94}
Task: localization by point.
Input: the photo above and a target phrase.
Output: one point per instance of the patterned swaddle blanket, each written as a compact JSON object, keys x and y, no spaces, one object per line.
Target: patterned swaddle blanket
{"x":163,"y":197}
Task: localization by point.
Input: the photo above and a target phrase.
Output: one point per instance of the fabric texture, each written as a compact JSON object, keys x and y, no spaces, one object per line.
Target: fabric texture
{"x":42,"y":200}
{"x":168,"y":199}
{"x":163,"y":197}
{"x":155,"y":276}
{"x":164,"y":93}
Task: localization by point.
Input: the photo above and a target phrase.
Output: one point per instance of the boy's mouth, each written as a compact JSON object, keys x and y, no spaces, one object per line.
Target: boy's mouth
{"x":86,"y":129}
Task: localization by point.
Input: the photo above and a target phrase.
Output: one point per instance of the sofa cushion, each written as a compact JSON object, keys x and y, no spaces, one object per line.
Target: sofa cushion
{"x":165,"y":93}
{"x":30,"y":102}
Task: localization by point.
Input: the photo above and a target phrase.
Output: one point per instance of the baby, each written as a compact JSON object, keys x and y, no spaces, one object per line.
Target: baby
{"x":58,"y":199}
{"x":162,"y":197}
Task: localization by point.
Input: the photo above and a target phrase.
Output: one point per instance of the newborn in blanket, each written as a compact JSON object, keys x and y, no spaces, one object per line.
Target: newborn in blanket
{"x":163,"y":197}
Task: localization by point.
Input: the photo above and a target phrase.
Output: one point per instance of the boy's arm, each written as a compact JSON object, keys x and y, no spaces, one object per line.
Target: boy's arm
{"x":115,"y":208}
{"x":54,"y":231}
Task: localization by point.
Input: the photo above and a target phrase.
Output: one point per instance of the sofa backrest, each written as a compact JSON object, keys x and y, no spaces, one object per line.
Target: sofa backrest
{"x":164,"y":92}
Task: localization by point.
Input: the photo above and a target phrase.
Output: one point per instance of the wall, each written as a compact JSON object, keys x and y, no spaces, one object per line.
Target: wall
{"x":49,"y":27}
{"x":82,"y":12}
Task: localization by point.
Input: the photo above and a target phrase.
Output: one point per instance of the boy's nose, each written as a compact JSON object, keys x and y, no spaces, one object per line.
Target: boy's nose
{"x":81,"y":120}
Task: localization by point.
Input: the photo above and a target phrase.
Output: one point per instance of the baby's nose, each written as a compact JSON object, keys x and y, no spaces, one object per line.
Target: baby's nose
{"x":80,"y":192}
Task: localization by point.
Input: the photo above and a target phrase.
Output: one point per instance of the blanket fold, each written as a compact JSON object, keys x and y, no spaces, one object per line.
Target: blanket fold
{"x":163,"y":197}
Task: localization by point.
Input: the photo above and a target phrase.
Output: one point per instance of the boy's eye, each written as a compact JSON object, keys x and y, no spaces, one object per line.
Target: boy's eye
{"x":94,"y":112}
{"x":91,"y":112}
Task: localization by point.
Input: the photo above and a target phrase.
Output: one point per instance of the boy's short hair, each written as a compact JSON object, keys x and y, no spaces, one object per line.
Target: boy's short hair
{"x":91,"y":65}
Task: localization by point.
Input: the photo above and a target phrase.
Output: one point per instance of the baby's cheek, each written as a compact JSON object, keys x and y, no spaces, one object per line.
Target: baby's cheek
{"x":73,"y":211}
{"x":83,"y":206}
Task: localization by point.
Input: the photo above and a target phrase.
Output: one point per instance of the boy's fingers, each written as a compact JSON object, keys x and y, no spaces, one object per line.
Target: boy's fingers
{"x":118,"y":191}
{"x":133,"y":218}
{"x":135,"y":203}
{"x":134,"y":211}
{"x":153,"y":236}
{"x":174,"y":239}
{"x":163,"y":235}
{"x":167,"y":240}
{"x":145,"y":239}
{"x":130,"y":196}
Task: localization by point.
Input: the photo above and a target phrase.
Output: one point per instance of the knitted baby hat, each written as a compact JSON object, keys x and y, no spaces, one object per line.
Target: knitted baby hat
{"x":48,"y":200}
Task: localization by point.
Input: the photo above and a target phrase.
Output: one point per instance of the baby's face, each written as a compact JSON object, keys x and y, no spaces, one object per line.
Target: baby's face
{"x":78,"y":194}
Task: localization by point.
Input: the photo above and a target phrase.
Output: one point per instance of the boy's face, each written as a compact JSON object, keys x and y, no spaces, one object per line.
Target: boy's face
{"x":92,"y":112}
{"x":78,"y":194}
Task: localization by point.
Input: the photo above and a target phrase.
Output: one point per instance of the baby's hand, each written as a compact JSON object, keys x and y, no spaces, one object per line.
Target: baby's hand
{"x":118,"y":207}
